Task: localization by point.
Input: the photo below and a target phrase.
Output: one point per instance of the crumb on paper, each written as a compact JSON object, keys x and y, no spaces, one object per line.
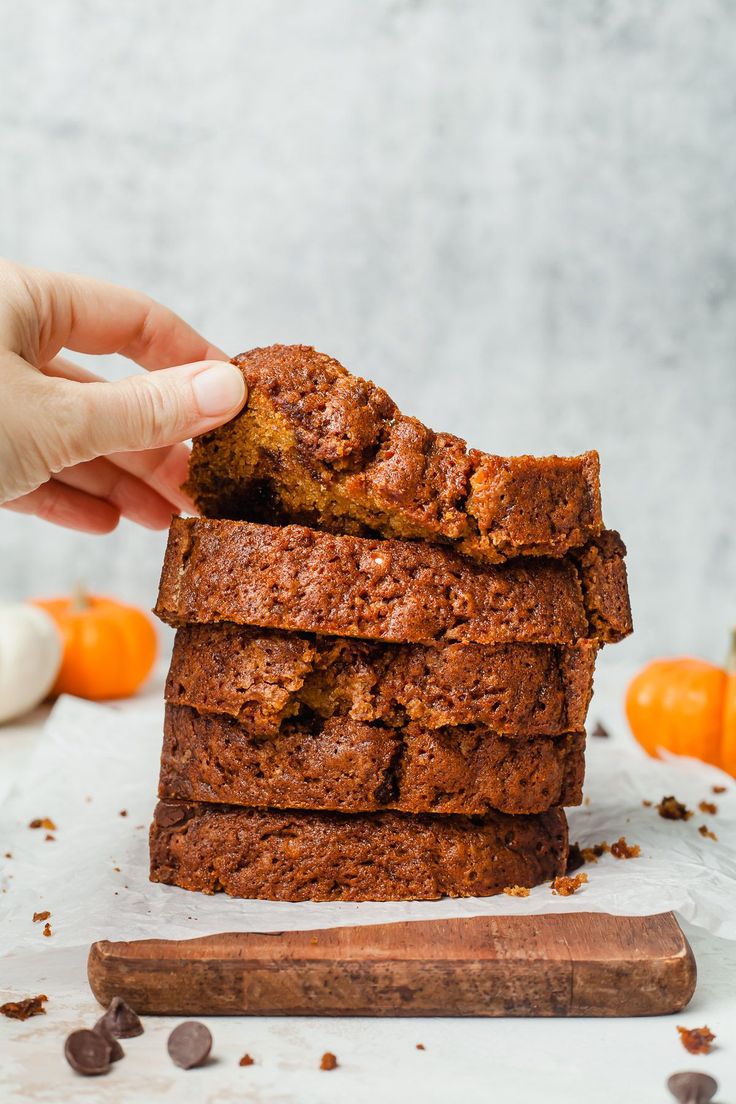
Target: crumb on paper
{"x":48,"y":838}
{"x":600,"y":731}
{"x":328,"y":1061}
{"x":623,"y":850}
{"x":123,"y":812}
{"x":246,"y":1060}
{"x":43,"y":822}
{"x":116,"y":869}
{"x":593,"y":854}
{"x":647,"y":804}
{"x":41,"y":916}
{"x":516,"y":891}
{"x":8,"y":854}
{"x":24,"y":1009}
{"x":47,"y":929}
{"x":421,"y":1046}
{"x":707,"y":834}
{"x":565,"y":885}
{"x":708,"y":807}
{"x":718,"y":789}
{"x":696,"y":1040}
{"x":586,"y":801}
{"x":671,"y":809}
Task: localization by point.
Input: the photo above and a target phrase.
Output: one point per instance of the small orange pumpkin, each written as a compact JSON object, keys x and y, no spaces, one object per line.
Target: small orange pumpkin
{"x":687,"y":706}
{"x":109,"y":648}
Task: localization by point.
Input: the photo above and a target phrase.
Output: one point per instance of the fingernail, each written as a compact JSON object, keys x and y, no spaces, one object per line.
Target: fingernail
{"x":218,"y":389}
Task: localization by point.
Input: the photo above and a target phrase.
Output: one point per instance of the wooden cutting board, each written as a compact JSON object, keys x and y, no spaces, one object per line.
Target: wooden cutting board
{"x":580,"y":964}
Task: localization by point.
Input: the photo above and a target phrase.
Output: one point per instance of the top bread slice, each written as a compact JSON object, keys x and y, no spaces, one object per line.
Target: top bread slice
{"x":319,"y":447}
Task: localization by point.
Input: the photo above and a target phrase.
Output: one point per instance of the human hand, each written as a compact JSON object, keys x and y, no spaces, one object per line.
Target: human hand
{"x":81,"y":451}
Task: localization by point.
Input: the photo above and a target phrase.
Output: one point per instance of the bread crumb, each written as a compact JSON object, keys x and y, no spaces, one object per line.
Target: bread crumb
{"x":706,"y":833}
{"x":24,"y":1009}
{"x":328,"y":1062}
{"x":592,"y":854}
{"x":516,"y":891}
{"x":565,"y":886}
{"x":718,"y":789}
{"x":708,"y":807}
{"x":696,"y":1040}
{"x":647,"y":804}
{"x":48,"y":838}
{"x":123,"y":812}
{"x":47,"y":929}
{"x":421,"y":1046}
{"x":43,"y":822}
{"x":246,"y":1060}
{"x":41,"y":916}
{"x":623,"y":850}
{"x":671,"y":809}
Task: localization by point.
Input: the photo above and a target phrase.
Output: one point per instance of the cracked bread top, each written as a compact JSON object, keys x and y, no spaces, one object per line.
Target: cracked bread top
{"x":315,"y":445}
{"x":299,"y":579}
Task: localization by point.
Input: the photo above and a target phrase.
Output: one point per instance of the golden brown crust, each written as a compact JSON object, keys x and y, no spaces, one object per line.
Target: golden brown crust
{"x":298,"y":856}
{"x":317,"y":446}
{"x":299,"y":579}
{"x":262,"y":677}
{"x":349,"y":766}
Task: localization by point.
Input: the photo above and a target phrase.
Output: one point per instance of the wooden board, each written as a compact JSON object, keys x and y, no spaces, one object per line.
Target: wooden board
{"x":580,"y":964}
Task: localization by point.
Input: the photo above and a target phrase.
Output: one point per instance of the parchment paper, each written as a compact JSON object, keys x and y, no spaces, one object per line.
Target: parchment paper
{"x":93,"y":762}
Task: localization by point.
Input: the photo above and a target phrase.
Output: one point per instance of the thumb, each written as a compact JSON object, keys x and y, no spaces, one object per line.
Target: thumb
{"x":150,"y":410}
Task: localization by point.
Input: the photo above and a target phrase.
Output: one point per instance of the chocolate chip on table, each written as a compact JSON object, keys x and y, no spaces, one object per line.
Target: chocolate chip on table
{"x":692,"y":1088}
{"x":121,"y":1021}
{"x":87,"y":1052}
{"x":116,"y":1051}
{"x":189,"y":1044}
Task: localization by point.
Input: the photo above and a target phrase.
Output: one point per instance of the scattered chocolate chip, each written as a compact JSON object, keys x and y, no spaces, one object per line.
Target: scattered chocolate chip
{"x":189,"y":1044}
{"x":246,"y":1060}
{"x":24,"y":1009}
{"x":87,"y":1052}
{"x":41,"y":916}
{"x":168,"y":815}
{"x":328,"y":1062}
{"x":574,"y":858}
{"x":692,"y":1088}
{"x":696,"y":1040}
{"x":600,"y":731}
{"x":121,"y":1021}
{"x":116,"y":1051}
{"x":43,"y":822}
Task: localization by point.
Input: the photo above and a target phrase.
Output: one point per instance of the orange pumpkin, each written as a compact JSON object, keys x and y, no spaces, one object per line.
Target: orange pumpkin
{"x":686,"y":706}
{"x":109,"y":648}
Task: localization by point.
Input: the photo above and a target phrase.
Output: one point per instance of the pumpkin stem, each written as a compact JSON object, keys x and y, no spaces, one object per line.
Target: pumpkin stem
{"x":80,"y":599}
{"x":731,"y":661}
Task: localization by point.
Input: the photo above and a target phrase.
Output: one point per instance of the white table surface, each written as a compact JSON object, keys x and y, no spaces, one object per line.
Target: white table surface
{"x":514,"y":1060}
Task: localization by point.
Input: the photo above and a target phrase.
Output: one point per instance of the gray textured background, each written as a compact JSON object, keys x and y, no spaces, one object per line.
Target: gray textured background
{"x":517,"y":216}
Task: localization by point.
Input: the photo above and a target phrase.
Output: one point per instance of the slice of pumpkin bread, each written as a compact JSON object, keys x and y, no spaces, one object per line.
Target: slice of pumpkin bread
{"x":317,"y":446}
{"x":302,"y":580}
{"x":316,"y":856}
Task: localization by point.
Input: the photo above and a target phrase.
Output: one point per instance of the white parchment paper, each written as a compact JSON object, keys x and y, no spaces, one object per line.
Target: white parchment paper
{"x":93,"y":762}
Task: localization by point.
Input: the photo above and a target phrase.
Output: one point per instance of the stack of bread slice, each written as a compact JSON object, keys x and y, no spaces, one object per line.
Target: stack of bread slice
{"x":384,"y":652}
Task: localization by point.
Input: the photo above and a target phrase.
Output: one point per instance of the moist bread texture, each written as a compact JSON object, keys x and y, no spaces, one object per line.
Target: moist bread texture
{"x":349,"y":766}
{"x":298,"y":856}
{"x":317,"y":446}
{"x":263,"y":677}
{"x":299,"y":579}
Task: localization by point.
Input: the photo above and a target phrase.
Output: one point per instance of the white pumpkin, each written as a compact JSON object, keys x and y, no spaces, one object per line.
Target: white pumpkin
{"x":30,"y":658}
